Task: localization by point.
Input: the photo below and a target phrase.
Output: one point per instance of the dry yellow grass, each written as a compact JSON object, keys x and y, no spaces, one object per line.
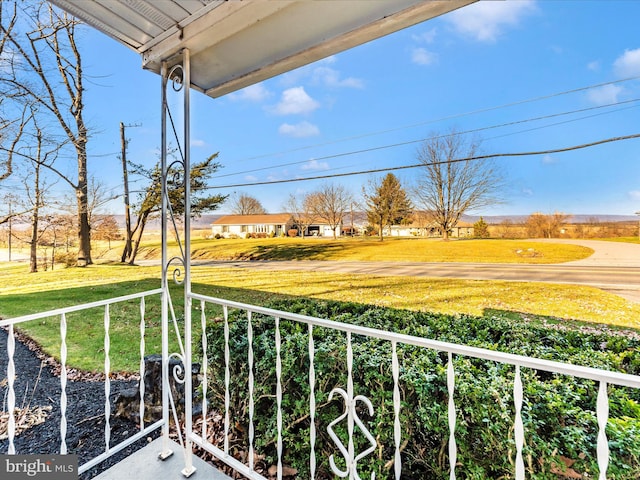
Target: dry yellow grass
{"x":371,"y":249}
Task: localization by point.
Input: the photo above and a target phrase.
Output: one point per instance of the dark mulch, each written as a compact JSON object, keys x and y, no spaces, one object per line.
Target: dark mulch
{"x":36,"y":385}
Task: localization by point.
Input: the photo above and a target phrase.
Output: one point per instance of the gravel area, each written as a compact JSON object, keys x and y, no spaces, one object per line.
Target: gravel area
{"x":37,"y":385}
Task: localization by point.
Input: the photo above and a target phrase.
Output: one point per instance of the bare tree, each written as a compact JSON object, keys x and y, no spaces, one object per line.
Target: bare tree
{"x":301,"y":212}
{"x":6,"y":164}
{"x":37,"y":151}
{"x":452,"y":182}
{"x":46,"y":70}
{"x":243,"y":204}
{"x":105,"y":227}
{"x":330,"y":204}
{"x":387,"y":203}
{"x":546,"y":226}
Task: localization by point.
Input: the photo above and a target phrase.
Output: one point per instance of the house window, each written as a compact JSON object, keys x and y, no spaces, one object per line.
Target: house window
{"x":243,"y":228}
{"x":225,"y":229}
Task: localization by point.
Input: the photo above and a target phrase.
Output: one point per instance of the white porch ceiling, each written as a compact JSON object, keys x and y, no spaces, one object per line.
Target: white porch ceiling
{"x":236,"y":43}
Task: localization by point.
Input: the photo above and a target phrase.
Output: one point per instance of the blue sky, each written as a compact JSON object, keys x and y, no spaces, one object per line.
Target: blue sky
{"x":474,"y":69}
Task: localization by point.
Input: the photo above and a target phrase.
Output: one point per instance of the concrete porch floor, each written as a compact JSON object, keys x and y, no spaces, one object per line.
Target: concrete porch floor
{"x":145,"y":465}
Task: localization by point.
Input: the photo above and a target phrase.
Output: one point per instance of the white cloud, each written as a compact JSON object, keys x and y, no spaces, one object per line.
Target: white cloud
{"x":605,"y":94}
{"x":486,"y":21}
{"x":628,"y":64}
{"x":527,"y":192}
{"x":315,"y":165}
{"x":295,"y":101}
{"x":253,"y":93}
{"x":321,"y":73}
{"x":548,"y":160}
{"x":422,"y":56}
{"x":634,"y":194}
{"x":198,"y":143}
{"x":300,"y":130}
{"x":330,"y":77}
{"x":426,"y":37}
{"x":251,"y":178}
{"x":594,"y":66}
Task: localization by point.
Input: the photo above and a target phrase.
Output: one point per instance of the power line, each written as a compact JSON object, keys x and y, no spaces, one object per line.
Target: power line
{"x":475,"y":130}
{"x":456,"y":160}
{"x":442,"y":119}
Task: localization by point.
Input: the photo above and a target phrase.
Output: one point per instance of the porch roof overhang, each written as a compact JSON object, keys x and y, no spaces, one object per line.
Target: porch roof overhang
{"x":234,"y":44}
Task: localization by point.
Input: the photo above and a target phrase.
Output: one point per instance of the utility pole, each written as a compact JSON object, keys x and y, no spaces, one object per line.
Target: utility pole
{"x":127,"y":209}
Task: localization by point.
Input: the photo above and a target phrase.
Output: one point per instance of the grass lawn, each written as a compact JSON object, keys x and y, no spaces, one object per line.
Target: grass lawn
{"x":620,"y":239}
{"x":22,"y":293}
{"x":371,"y":249}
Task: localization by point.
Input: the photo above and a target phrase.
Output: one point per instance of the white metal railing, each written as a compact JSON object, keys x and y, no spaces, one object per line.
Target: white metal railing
{"x":13,"y":370}
{"x":351,"y":457}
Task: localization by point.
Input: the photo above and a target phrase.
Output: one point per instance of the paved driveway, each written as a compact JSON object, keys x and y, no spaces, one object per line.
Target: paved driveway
{"x":606,"y":254}
{"x":614,"y":267}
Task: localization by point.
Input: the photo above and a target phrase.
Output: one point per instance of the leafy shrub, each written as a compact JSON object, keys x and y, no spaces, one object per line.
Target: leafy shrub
{"x":558,"y":412}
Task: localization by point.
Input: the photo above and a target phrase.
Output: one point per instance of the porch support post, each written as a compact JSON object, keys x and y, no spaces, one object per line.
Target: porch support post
{"x":188,"y":388}
{"x":166,"y":452}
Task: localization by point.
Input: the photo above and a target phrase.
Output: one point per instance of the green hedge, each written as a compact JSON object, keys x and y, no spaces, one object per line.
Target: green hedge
{"x":558,"y":412}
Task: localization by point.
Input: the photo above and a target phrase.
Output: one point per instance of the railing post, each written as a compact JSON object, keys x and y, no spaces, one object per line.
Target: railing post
{"x":166,"y":451}
{"x":11,"y":378}
{"x":189,"y":469}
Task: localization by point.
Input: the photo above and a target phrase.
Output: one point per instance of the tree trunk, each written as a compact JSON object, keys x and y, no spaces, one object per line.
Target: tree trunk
{"x":82,"y":196}
{"x":37,"y":199}
{"x":33,"y":250}
{"x":127,"y":210}
{"x":142,"y":221}
{"x":84,"y":229}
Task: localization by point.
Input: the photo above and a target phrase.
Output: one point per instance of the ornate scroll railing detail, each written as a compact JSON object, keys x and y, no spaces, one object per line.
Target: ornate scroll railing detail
{"x":176,"y":178}
{"x":350,"y":413}
{"x":348,"y":452}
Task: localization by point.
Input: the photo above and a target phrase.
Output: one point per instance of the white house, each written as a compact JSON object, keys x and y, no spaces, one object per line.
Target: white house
{"x":267,"y":225}
{"x":275,"y":224}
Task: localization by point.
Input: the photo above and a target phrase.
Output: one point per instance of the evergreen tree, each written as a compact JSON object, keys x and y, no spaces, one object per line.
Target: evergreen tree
{"x":481,"y":229}
{"x":387,"y":203}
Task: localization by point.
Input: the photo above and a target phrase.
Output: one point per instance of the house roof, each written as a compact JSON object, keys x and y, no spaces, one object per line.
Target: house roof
{"x":266,"y":219}
{"x":234,"y":44}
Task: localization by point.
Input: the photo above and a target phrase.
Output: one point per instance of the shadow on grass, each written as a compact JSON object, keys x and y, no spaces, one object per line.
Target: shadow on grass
{"x":297,"y":251}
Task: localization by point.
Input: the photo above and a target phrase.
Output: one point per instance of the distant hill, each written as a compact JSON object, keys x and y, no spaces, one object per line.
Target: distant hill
{"x":579,"y":218}
{"x":202,"y":222}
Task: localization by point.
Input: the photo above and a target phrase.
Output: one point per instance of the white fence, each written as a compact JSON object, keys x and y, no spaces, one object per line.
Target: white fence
{"x":353,"y":443}
{"x":61,"y":315}
{"x":345,"y":444}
